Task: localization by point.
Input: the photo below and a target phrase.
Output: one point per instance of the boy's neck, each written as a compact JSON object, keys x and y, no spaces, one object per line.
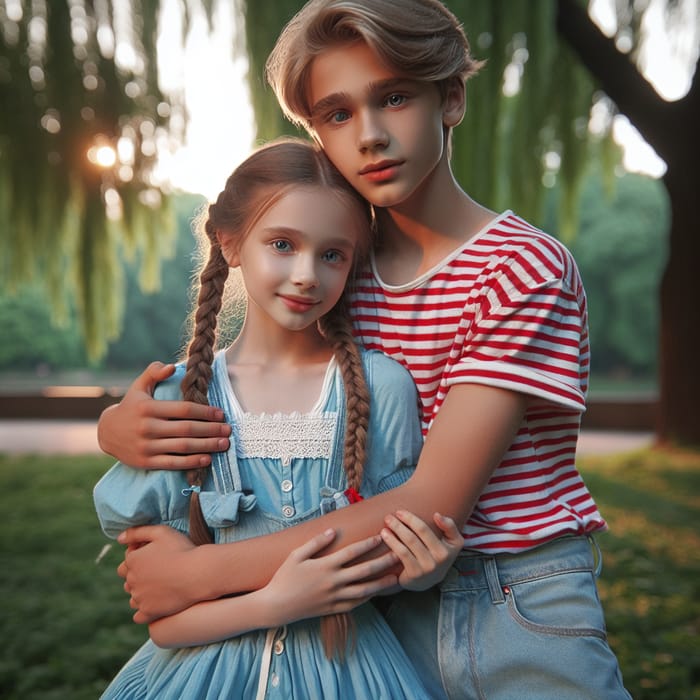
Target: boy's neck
{"x":417,"y":235}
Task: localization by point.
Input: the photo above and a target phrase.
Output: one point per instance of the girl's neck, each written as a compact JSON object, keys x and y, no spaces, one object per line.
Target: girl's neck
{"x":267,"y":345}
{"x":279,"y":372}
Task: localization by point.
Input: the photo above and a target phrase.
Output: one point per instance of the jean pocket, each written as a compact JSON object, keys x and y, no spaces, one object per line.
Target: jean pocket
{"x":565,"y":605}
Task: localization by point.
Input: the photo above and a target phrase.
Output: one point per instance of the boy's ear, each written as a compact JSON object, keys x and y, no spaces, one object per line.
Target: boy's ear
{"x":454,"y":104}
{"x":228,"y":250}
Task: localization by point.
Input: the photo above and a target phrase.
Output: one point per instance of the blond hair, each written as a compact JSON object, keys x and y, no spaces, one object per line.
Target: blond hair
{"x":419,"y":39}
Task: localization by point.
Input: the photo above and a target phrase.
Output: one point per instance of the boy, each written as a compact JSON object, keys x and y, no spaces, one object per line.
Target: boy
{"x":489,"y":316}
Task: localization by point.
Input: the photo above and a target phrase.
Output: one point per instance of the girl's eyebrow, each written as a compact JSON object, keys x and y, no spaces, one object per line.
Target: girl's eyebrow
{"x":331,"y":242}
{"x":335,"y":99}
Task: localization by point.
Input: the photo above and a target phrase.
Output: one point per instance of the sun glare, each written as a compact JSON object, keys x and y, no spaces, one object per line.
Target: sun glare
{"x":102,"y":156}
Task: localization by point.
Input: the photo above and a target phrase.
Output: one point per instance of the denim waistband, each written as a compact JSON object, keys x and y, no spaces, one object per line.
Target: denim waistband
{"x":474,"y":571}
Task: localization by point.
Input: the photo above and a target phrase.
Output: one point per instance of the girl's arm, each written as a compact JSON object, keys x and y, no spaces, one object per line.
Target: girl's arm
{"x":292,"y":594}
{"x":467,"y":441}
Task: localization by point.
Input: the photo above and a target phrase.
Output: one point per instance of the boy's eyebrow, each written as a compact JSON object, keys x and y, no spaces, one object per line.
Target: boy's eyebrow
{"x":336,"y":98}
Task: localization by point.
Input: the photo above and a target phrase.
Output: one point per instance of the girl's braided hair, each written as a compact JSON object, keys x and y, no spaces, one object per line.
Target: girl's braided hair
{"x":261,"y":180}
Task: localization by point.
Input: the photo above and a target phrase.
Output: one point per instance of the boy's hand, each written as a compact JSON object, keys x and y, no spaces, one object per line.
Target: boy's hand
{"x":425,"y":556}
{"x":160,"y":570}
{"x":150,"y":434}
{"x":306,"y":585}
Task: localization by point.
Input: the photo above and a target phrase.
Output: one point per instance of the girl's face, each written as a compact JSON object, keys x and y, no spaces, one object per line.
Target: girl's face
{"x":383,"y":132}
{"x":296,"y":259}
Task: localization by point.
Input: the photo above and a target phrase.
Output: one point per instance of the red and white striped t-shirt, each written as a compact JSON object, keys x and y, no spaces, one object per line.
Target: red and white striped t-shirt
{"x":507,"y":309}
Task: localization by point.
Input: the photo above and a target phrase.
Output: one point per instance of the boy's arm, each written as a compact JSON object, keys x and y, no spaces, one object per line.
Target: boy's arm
{"x":294,"y":593}
{"x":467,"y":441}
{"x":145,"y":433}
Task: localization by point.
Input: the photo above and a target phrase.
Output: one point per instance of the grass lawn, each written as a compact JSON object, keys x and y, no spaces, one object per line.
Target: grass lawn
{"x":66,"y":625}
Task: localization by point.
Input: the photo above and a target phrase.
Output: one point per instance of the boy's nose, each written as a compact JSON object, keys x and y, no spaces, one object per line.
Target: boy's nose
{"x":372,"y":133}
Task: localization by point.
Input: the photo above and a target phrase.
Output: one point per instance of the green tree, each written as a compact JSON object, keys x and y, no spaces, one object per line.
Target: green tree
{"x":70,"y":90}
{"x":621,"y":250}
{"x":155,"y":328}
{"x":81,"y":115}
{"x":30,"y":338}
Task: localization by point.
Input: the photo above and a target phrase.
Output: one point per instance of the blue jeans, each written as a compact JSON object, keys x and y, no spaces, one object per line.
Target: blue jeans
{"x":525,"y":626}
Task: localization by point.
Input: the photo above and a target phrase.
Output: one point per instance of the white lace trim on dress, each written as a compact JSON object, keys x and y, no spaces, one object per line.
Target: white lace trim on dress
{"x":285,"y":436}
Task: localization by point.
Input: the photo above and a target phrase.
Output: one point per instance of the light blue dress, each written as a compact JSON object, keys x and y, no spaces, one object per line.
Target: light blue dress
{"x":281,"y":470}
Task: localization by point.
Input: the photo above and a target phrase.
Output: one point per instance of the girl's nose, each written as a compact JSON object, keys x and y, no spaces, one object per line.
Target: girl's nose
{"x":304,"y":273}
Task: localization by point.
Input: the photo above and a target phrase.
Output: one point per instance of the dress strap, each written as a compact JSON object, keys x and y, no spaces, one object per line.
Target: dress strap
{"x":224,"y":465}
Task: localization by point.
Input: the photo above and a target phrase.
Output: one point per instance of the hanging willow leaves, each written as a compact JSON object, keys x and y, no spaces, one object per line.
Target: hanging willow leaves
{"x":263,"y":21}
{"x":81,"y":116}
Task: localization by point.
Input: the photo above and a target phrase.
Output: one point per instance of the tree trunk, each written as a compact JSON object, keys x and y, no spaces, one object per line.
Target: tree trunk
{"x":679,"y":374}
{"x":671,"y":129}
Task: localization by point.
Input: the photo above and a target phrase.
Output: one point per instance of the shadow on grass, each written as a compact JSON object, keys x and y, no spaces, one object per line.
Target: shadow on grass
{"x":66,"y":623}
{"x":651,"y":575}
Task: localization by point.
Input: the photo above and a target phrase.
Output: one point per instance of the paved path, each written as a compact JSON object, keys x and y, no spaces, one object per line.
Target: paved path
{"x":79,"y":437}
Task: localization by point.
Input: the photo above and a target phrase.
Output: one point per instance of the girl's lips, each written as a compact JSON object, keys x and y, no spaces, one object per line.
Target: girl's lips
{"x":299,"y":305}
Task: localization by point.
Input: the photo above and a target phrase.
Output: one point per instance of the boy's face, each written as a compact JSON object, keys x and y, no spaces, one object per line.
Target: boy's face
{"x":384,"y":133}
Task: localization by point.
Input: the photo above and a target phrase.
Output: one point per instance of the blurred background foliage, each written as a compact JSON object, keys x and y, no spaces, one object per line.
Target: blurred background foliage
{"x":88,"y":223}
{"x":621,"y":249}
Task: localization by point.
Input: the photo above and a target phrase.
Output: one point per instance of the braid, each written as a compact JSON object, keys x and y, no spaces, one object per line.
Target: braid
{"x":200,"y":356}
{"x":337,"y":329}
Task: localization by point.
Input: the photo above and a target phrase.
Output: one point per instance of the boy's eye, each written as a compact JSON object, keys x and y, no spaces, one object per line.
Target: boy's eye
{"x":395,"y":100}
{"x":338,"y":117}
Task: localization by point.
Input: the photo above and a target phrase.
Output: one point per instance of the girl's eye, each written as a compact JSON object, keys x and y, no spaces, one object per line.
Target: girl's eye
{"x":395,"y":100}
{"x":281,"y":246}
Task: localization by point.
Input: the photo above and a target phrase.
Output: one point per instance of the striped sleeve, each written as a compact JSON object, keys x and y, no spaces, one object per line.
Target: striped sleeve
{"x":527,"y":329}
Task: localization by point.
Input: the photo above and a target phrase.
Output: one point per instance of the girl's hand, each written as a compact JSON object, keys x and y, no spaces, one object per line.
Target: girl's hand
{"x":426,"y":557}
{"x":145,"y":433}
{"x":308,"y":586}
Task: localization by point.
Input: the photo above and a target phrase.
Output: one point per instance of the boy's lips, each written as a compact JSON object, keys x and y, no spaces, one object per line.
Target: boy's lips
{"x":382,"y":170}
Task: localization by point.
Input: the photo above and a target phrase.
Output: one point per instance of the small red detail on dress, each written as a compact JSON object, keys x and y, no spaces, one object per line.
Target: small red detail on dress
{"x":352,"y":495}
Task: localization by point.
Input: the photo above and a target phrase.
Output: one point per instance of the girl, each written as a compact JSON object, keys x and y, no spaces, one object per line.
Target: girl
{"x":489,"y":315}
{"x":293,"y":387}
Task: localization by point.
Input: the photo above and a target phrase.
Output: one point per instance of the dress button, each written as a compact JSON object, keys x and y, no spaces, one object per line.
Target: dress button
{"x":286,"y":485}
{"x":275,"y":680}
{"x":279,"y":647}
{"x":288,"y":511}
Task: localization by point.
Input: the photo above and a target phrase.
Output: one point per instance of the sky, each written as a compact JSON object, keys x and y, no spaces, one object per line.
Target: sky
{"x":220,"y":131}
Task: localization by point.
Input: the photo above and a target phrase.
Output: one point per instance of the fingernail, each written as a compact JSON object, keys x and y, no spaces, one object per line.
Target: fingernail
{"x":328,"y":532}
{"x":121,"y":537}
{"x":223,"y":444}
